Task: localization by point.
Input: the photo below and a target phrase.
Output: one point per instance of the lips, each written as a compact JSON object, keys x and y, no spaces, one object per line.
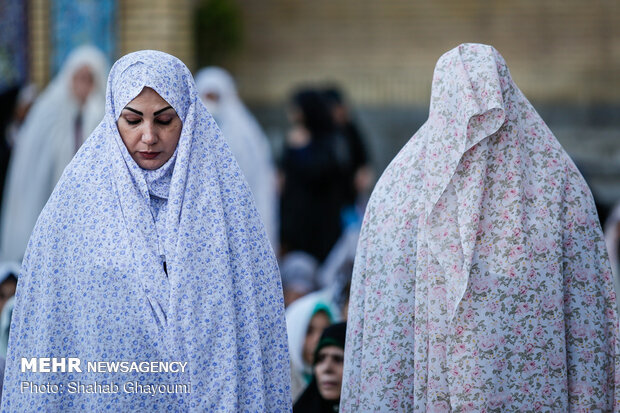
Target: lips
{"x":149,"y":155}
{"x":329,"y":384}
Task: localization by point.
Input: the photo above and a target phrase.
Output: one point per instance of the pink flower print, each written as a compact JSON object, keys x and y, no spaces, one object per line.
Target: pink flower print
{"x":493,"y":306}
{"x":540,"y":247}
{"x":523,"y":308}
{"x":610,"y":313}
{"x":580,"y":219}
{"x":500,"y":159}
{"x":499,"y":364}
{"x":469,"y":407}
{"x":580,"y":331}
{"x":481,"y":287}
{"x":516,"y":251}
{"x":556,"y":362}
{"x":525,"y":388}
{"x":394,"y":368}
{"x":531,"y":275}
{"x":439,"y":406}
{"x":587,"y":356}
{"x":497,"y":401}
{"x":488,"y":343}
{"x":517,"y":329}
{"x":459,"y":349}
{"x":549,"y":303}
{"x":512,"y":273}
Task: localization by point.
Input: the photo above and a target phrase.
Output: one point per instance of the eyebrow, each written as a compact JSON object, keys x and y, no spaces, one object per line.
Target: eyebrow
{"x":142,"y":114}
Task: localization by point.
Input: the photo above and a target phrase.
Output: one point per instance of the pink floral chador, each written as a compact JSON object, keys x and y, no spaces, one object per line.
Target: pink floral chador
{"x":481,"y":281}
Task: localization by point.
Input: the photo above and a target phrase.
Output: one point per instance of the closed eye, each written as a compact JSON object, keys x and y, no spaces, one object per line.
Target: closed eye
{"x":164,"y":121}
{"x":132,"y":122}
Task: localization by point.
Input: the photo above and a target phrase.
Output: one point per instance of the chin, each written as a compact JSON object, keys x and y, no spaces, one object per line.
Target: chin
{"x":150,"y":165}
{"x":330,"y":396}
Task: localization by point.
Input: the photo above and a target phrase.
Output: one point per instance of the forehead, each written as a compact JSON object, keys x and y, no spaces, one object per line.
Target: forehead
{"x":148,"y":99}
{"x":331,"y":351}
{"x":83,"y":71}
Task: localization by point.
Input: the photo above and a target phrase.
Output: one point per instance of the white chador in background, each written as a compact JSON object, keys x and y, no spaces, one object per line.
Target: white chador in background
{"x":64,"y":115}
{"x":246,"y":141}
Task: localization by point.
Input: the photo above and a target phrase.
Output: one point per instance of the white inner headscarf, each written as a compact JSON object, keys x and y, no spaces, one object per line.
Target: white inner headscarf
{"x":45,"y":146}
{"x":246,"y":140}
{"x":298,"y":317}
{"x":481,"y":280}
{"x":93,"y":283}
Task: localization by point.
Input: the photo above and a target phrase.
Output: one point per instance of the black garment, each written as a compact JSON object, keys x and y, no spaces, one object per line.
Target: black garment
{"x":8,"y":100}
{"x":311,"y":401}
{"x":357,"y":158}
{"x":311,"y":199}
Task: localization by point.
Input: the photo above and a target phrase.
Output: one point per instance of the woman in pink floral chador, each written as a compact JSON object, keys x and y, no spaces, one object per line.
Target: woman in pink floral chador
{"x":481,"y":281}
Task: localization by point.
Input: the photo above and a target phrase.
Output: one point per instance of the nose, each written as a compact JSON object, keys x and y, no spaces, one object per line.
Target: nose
{"x":328,"y":365}
{"x":149,"y":136}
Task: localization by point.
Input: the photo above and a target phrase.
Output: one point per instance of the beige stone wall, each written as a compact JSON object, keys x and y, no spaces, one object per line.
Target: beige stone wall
{"x":39,"y":40}
{"x":157,"y":24}
{"x":142,"y":24}
{"x":384,"y":51}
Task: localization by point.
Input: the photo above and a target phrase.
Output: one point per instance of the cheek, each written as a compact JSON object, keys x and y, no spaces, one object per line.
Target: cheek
{"x":319,"y":370}
{"x":128,"y":136}
{"x":339,"y":370}
{"x":172,"y":140}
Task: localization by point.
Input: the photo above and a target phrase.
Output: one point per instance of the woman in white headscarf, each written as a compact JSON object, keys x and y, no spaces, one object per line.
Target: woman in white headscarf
{"x":481,"y":281}
{"x":246,"y":140}
{"x":151,"y":250}
{"x":306,"y":318}
{"x":59,"y":121}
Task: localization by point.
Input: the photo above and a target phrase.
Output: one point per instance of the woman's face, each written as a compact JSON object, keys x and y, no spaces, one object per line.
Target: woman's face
{"x":150,"y":129}
{"x":82,"y":83}
{"x":318,"y":323}
{"x":328,"y":372}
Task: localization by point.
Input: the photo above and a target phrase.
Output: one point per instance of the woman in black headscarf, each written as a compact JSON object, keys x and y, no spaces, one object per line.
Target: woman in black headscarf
{"x":323,"y":393}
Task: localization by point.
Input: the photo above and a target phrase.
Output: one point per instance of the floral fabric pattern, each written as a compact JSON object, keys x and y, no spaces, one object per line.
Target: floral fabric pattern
{"x":94,"y":286}
{"x":481,"y":281}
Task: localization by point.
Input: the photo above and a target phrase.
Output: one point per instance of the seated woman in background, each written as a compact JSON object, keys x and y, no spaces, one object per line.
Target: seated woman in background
{"x":150,"y":249}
